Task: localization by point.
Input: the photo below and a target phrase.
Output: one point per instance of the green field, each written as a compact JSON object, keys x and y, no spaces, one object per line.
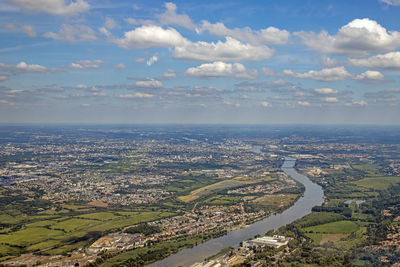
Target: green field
{"x":339,"y":227}
{"x":54,"y":233}
{"x":379,"y":183}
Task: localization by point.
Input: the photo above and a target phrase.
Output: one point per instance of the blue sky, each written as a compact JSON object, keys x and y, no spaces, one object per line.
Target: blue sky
{"x":89,"y":61}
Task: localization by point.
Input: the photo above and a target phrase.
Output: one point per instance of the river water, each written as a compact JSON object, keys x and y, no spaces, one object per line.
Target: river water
{"x":313,"y":195}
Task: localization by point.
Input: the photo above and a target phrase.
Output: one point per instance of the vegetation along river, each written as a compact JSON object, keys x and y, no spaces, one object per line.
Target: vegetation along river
{"x":313,"y":195}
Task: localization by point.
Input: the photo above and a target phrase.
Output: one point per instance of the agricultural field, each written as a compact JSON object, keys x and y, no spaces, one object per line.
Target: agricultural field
{"x":276,"y":200}
{"x":57,"y":233}
{"x":379,"y":182}
{"x":221,"y":185}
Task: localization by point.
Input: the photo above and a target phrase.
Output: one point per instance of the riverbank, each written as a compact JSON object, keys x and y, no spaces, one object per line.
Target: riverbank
{"x":313,"y":196}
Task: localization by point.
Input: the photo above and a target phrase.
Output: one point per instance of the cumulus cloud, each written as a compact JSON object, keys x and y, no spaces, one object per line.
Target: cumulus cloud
{"x":325,"y":91}
{"x":151,"y":83}
{"x":171,"y":18}
{"x":391,"y":2}
{"x":335,"y":74}
{"x":86,"y":64}
{"x":24,"y":67}
{"x":104,"y":31}
{"x":370,"y":75}
{"x":230,"y":50}
{"x":136,"y":95}
{"x":270,"y":35}
{"x":3,"y":77}
{"x":361,"y":103}
{"x":304,"y":103}
{"x":152,"y":60}
{"x":328,"y":62}
{"x":170,"y":73}
{"x":325,"y":75}
{"x":81,"y":86}
{"x":359,"y":37}
{"x":221,"y":69}
{"x":151,"y":36}
{"x":331,"y":100}
{"x":73,"y":33}
{"x":385,"y":61}
{"x":54,"y":7}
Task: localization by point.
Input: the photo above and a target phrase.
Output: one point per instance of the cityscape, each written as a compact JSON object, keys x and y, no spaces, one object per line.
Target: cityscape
{"x":199,"y":133}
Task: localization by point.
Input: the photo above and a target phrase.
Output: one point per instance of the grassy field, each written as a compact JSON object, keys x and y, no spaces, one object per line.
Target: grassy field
{"x":276,"y":200}
{"x":223,"y":200}
{"x":339,"y":227}
{"x":205,"y":190}
{"x":379,"y":183}
{"x":55,"y":232}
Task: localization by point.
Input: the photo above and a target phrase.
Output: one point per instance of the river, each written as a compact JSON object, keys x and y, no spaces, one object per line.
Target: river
{"x":313,"y":195}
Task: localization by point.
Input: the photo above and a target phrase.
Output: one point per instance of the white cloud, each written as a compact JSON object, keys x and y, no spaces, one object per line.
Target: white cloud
{"x":359,"y":37}
{"x":370,"y":75}
{"x":335,"y":74}
{"x":230,"y":50}
{"x":73,"y":33}
{"x":325,"y":75}
{"x":134,"y":21}
{"x":152,"y":83}
{"x":328,"y":62}
{"x":110,"y":23}
{"x":170,"y":17}
{"x":104,"y":31}
{"x":357,"y":103}
{"x":140,"y":60}
{"x":81,"y":86}
{"x":304,"y":103}
{"x":136,"y":95}
{"x":29,"y":30}
{"x":152,"y":60}
{"x":325,"y":91}
{"x":265,"y":104}
{"x":24,"y":67}
{"x":54,"y":7}
{"x":3,"y":77}
{"x":228,"y":103}
{"x":221,"y":69}
{"x":151,"y":36}
{"x":87,"y":64}
{"x":391,"y":2}
{"x":385,"y":61}
{"x":120,"y":66}
{"x":267,"y":71}
{"x":270,"y":35}
{"x":170,"y":73}
{"x":331,"y":100}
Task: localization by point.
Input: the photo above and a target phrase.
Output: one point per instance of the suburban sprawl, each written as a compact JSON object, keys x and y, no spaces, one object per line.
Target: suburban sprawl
{"x":133,"y":195}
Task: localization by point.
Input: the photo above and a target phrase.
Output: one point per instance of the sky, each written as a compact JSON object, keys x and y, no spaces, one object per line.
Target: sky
{"x":219,"y":62}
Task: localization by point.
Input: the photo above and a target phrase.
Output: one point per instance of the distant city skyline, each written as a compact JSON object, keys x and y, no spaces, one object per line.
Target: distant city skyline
{"x":233,"y":62}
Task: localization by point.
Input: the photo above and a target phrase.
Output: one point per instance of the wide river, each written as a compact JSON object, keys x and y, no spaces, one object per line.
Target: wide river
{"x":313,"y":195}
